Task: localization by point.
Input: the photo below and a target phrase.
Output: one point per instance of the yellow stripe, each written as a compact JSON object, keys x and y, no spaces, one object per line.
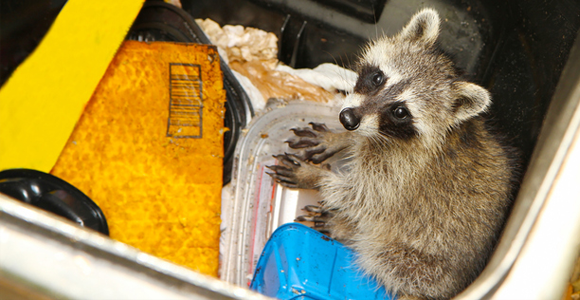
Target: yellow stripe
{"x":42,"y":101}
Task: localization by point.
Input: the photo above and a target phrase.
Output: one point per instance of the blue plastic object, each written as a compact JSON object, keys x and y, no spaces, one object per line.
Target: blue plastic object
{"x":301,"y":263}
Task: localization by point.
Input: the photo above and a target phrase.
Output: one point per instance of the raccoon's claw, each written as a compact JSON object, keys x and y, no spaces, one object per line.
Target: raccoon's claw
{"x":304,"y":219}
{"x":309,"y":141}
{"x":317,"y":143}
{"x":318,"y":223}
{"x":310,"y":149}
{"x":307,"y":137}
{"x":295,"y":159}
{"x":286,"y":160}
{"x":302,"y":142}
{"x":319,"y":216}
{"x":294,"y":172}
{"x":310,"y":153}
{"x":283,"y":180}
{"x":283,"y":175}
{"x":319,"y":127}
{"x":313,"y":209}
{"x":304,"y":132}
{"x":307,"y":131}
{"x":280,"y":171}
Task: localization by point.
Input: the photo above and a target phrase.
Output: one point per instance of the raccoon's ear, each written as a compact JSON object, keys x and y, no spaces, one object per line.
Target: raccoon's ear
{"x":423,"y":27}
{"x":471,"y":100}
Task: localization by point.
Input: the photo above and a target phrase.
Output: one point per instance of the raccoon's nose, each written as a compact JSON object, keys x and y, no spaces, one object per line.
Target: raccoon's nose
{"x":349,"y":119}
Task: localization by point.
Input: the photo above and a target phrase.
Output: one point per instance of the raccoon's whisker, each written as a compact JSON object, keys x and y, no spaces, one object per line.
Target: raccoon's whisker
{"x":333,"y":57}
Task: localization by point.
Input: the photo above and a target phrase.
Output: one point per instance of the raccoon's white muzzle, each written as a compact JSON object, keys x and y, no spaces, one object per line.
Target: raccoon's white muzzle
{"x":353,"y":100}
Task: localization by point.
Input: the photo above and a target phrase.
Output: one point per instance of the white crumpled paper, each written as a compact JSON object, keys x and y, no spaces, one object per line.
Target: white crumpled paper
{"x":241,"y":43}
{"x":252,"y":55}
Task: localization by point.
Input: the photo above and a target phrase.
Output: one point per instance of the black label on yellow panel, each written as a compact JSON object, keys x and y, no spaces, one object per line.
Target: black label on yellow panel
{"x":185,"y":101}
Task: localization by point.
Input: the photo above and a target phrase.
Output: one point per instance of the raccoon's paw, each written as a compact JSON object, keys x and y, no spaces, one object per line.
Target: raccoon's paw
{"x":294,"y":172}
{"x":319,"y":217}
{"x":317,"y":143}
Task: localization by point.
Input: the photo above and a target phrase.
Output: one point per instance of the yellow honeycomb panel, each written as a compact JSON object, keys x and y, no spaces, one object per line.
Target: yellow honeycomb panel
{"x":148,"y":150}
{"x":43,"y":99}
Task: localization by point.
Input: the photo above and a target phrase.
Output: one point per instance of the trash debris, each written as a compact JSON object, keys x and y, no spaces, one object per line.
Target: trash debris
{"x":252,"y":54}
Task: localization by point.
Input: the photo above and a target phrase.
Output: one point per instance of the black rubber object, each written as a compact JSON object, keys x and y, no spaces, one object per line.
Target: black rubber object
{"x":55,"y":195}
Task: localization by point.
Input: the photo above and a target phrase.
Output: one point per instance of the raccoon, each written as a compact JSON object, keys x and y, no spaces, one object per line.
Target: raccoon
{"x":428,"y":187}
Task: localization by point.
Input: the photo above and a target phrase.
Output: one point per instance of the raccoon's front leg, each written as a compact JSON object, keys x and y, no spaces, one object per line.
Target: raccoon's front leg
{"x":318,"y":143}
{"x":294,"y":172}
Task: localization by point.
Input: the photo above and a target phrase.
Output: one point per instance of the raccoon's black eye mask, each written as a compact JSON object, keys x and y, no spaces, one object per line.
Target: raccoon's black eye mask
{"x":370,"y":80}
{"x":396,"y":121}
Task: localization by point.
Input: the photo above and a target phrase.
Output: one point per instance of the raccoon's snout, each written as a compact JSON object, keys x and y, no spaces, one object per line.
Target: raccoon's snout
{"x":349,"y":119}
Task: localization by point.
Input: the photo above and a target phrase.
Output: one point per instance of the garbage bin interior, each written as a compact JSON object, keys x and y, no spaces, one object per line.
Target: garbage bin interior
{"x":516,"y":49}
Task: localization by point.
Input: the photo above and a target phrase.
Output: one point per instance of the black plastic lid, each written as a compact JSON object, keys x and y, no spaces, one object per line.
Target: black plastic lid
{"x":53,"y":194}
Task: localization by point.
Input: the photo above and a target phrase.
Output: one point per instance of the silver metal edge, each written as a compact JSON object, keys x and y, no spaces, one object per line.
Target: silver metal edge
{"x":547,"y":159}
{"x":58,"y":230}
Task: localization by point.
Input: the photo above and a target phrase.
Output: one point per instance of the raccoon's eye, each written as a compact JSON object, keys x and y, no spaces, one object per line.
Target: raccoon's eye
{"x":400,"y":112}
{"x":378,"y":78}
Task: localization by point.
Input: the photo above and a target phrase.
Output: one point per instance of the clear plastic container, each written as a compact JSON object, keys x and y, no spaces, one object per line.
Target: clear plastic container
{"x":259,"y":206}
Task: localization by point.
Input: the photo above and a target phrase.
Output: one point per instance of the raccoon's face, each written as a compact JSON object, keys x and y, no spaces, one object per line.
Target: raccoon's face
{"x":407,"y":88}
